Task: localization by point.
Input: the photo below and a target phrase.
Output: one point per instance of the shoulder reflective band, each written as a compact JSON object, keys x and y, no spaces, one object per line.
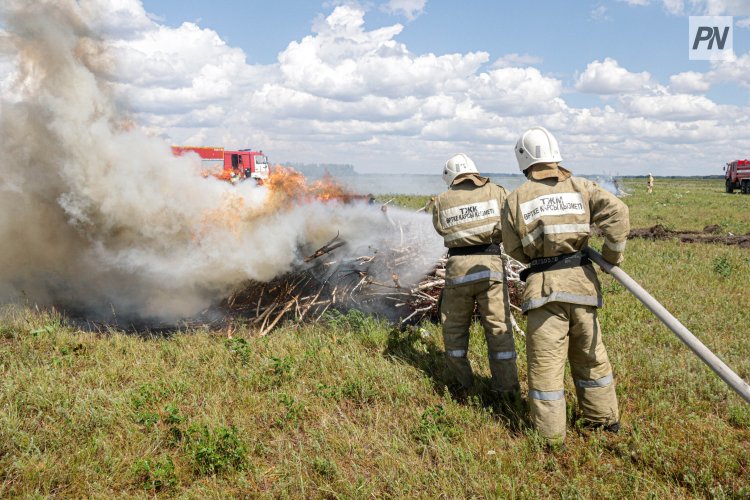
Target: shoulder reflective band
{"x":457,"y":353}
{"x":481,"y":275}
{"x":487,"y":228}
{"x":600,"y":382}
{"x":547,"y":395}
{"x":554,"y":229}
{"x":502,"y":355}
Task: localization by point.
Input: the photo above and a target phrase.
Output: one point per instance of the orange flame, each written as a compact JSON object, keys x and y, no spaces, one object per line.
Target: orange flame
{"x":218,"y":173}
{"x":286,"y":187}
{"x":287,"y":183}
{"x":229,"y":216}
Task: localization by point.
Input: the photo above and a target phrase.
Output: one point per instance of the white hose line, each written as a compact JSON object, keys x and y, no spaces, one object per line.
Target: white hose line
{"x":717,"y":365}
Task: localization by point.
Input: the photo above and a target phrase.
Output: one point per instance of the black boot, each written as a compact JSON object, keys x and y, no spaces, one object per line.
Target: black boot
{"x":613,"y":428}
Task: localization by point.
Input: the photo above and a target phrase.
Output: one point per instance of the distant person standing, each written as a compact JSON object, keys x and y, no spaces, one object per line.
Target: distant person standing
{"x":650,"y":184}
{"x":467,"y":216}
{"x":547,"y":223}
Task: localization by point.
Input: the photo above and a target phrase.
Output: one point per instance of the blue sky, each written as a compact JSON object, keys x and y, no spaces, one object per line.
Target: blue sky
{"x":400,"y":85}
{"x":566,"y":35}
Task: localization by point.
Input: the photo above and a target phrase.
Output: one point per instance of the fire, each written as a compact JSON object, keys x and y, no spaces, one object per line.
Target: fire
{"x":218,"y":173}
{"x":286,"y":187}
{"x":228,"y":216}
{"x":287,"y":183}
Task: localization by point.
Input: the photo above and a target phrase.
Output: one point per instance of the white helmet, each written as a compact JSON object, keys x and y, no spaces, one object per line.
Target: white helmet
{"x":457,"y":165}
{"x":537,"y":145}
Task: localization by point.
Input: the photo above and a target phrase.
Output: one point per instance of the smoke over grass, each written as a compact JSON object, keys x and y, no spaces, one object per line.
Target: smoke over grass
{"x":99,"y":217}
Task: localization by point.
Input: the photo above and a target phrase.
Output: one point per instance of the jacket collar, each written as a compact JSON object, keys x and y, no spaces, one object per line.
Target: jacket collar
{"x":542,"y":171}
{"x":475,"y":179}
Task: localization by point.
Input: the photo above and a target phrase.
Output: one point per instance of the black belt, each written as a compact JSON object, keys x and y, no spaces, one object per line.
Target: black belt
{"x":489,"y":249}
{"x":564,"y":261}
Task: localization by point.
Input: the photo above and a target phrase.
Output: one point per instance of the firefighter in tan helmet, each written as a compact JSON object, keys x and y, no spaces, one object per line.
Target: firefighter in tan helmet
{"x":547,"y":221}
{"x":467,"y":216}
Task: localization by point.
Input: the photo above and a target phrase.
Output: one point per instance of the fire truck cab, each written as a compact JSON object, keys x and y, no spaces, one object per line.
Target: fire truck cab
{"x":234,"y":165}
{"x":737,"y":176}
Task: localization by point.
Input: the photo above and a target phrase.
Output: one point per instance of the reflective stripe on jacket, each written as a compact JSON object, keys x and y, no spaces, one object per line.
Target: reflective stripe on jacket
{"x":468,"y":214}
{"x":553,"y":216}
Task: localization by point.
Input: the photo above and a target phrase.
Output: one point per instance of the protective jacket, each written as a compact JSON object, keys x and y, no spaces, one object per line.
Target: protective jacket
{"x":468,"y":214}
{"x":552,"y":214}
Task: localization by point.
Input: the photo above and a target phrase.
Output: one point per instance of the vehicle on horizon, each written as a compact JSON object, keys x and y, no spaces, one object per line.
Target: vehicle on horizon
{"x":737,"y":176}
{"x":229,"y":165}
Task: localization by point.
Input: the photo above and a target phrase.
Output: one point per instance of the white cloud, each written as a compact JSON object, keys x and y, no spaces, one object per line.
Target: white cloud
{"x":180,"y":68}
{"x":599,"y":13}
{"x":120,"y":18}
{"x":347,"y":94}
{"x":408,"y":8}
{"x":699,"y":7}
{"x":676,"y":7}
{"x":515,"y":59}
{"x":689,"y":82}
{"x":725,"y":7}
{"x":515,"y":91}
{"x":672,"y":6}
{"x":343,"y":61}
{"x":608,"y":77}
{"x":679,"y":107}
{"x":735,"y":71}
{"x":351,"y":95}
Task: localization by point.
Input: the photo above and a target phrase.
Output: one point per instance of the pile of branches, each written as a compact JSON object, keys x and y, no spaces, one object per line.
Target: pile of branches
{"x":379,"y":283}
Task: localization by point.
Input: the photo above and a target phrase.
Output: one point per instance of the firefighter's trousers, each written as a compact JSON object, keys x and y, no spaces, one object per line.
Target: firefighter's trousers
{"x":555,"y":331}
{"x":456,"y":313}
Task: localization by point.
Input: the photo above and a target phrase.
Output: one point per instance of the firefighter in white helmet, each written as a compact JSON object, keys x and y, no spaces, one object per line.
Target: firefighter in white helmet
{"x":546,"y":223}
{"x":467,"y":216}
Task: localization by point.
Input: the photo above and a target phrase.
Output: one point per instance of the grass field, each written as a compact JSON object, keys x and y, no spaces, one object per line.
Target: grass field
{"x":351,"y":408}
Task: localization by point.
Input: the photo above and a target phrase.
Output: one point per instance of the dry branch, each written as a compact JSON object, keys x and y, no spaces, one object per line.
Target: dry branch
{"x":383,"y":283}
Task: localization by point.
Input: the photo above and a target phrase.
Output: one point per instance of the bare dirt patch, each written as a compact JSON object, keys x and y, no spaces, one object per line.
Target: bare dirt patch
{"x":710,"y":234}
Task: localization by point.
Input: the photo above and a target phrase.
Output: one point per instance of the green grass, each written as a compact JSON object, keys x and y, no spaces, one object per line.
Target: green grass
{"x":412,"y":201}
{"x":352,"y":408}
{"x":677,"y":204}
{"x":688,"y":204}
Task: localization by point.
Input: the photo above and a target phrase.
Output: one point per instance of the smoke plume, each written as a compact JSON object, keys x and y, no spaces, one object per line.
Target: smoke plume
{"x":99,"y":217}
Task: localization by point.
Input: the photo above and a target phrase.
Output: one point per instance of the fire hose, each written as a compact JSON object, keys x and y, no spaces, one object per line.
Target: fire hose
{"x":717,"y":365}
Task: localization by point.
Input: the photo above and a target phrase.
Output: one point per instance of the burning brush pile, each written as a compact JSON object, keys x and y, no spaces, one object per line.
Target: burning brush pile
{"x":103,"y":222}
{"x":377,"y":278}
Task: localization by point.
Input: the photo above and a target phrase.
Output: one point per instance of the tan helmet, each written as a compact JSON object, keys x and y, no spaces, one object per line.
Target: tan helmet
{"x":457,"y":165}
{"x":537,"y":145}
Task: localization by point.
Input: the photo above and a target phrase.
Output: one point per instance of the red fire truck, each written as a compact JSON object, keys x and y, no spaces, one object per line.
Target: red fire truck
{"x":737,"y":176}
{"x":239,"y":165}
